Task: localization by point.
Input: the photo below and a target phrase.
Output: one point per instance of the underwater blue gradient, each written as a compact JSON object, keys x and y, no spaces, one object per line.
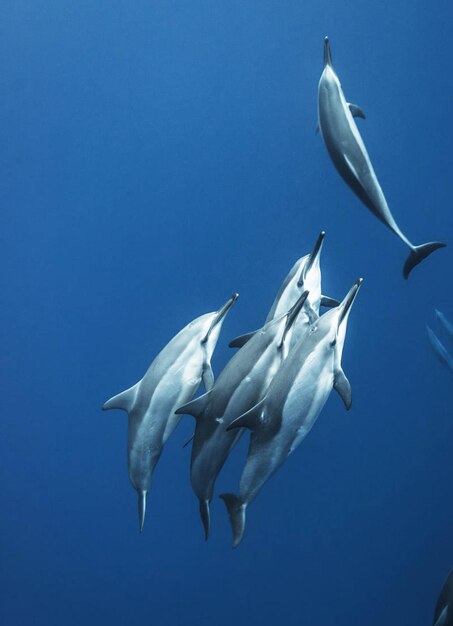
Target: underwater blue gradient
{"x":155,"y":157}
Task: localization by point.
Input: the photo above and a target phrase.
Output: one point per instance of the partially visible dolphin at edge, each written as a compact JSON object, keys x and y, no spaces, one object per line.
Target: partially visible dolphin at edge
{"x":241,"y":384}
{"x":443,"y":614}
{"x":439,"y":348}
{"x":350,"y":157}
{"x":445,"y":323}
{"x":292,"y":404}
{"x":305,"y":275}
{"x":172,"y":379}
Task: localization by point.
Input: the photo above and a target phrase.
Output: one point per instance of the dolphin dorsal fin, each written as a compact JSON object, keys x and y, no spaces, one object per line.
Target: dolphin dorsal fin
{"x":240,"y":341}
{"x":195,"y":407}
{"x":123,"y":401}
{"x":356,"y":111}
{"x":252,"y":419}
{"x":343,"y":387}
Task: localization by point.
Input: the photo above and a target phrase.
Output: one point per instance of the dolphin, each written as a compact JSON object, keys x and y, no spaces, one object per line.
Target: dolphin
{"x":172,"y":379}
{"x":443,"y":614}
{"x":240,"y":385}
{"x":439,"y":348}
{"x":350,"y":157}
{"x":295,"y":398}
{"x":445,"y":323}
{"x":305,"y":275}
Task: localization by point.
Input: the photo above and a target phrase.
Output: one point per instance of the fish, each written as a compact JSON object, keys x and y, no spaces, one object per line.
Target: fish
{"x":445,"y":323}
{"x":443,"y":614}
{"x":291,"y":406}
{"x":241,"y":384}
{"x":305,"y":275}
{"x":439,"y":348}
{"x":171,"y":380}
{"x":336,"y":121}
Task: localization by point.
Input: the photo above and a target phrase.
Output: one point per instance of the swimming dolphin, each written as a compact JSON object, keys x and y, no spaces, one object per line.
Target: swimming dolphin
{"x":240,"y":385}
{"x":305,"y":275}
{"x":446,"y":325}
{"x":443,"y":614}
{"x":439,"y":348}
{"x":172,"y":379}
{"x":350,"y":157}
{"x":296,"y":396}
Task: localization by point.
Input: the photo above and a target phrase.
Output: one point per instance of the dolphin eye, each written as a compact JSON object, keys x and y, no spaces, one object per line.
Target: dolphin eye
{"x":333,"y":343}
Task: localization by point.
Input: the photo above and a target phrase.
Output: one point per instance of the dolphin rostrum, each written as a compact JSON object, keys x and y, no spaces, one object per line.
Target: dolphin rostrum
{"x":240,"y":385}
{"x":443,"y":614}
{"x":296,"y":396}
{"x":172,"y":379}
{"x":305,"y":275}
{"x":350,"y":157}
{"x":445,"y":323}
{"x":439,"y":348}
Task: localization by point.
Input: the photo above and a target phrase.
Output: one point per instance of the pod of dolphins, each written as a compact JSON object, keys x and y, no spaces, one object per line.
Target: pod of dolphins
{"x":277,"y":383}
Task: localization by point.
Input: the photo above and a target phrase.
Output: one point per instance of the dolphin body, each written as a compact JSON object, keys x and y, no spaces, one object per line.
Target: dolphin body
{"x":305,"y":275}
{"x":288,"y":411}
{"x":440,"y":350}
{"x":172,"y":379}
{"x":350,"y":157}
{"x":443,"y":614}
{"x":445,"y":323}
{"x":240,"y":385}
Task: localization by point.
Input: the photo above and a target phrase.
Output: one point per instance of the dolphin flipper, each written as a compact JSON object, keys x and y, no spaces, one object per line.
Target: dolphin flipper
{"x":194,"y":407}
{"x":208,"y":377}
{"x":240,"y":341}
{"x":356,"y":111}
{"x":343,"y":387}
{"x":205,"y":517}
{"x":329,"y":302}
{"x":419,"y":253}
{"x":236,"y":512}
{"x":123,"y":401}
{"x":251,"y":419}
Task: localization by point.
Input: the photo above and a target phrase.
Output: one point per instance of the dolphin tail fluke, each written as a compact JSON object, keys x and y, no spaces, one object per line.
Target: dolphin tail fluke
{"x":419,"y":253}
{"x":236,"y":512}
{"x":205,"y":517}
{"x":141,"y":508}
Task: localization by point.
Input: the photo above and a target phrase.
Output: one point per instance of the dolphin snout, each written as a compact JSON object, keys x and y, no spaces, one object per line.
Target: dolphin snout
{"x":327,"y":54}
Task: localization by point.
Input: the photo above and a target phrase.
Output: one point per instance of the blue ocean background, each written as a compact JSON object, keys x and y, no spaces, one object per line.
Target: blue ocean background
{"x":157,"y":156}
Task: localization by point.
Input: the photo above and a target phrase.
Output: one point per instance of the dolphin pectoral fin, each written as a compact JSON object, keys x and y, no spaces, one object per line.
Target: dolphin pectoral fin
{"x":240,"y":341}
{"x":123,"y":401}
{"x":356,"y":111}
{"x":236,"y":512}
{"x":252,"y":419}
{"x":205,"y":517}
{"x":208,"y":377}
{"x":442,"y":619}
{"x":343,"y":387}
{"x":329,"y":302}
{"x":141,"y":508}
{"x":195,"y":407}
{"x":418,"y":254}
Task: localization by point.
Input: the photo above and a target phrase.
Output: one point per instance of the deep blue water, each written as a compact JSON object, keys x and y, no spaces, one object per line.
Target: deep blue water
{"x":157,"y":156}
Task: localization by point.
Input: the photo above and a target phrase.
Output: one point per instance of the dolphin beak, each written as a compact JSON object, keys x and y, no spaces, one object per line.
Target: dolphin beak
{"x":293,"y":313}
{"x":327,"y":55}
{"x":141,"y":508}
{"x":348,"y":301}
{"x":314,"y":254}
{"x":220,"y":315}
